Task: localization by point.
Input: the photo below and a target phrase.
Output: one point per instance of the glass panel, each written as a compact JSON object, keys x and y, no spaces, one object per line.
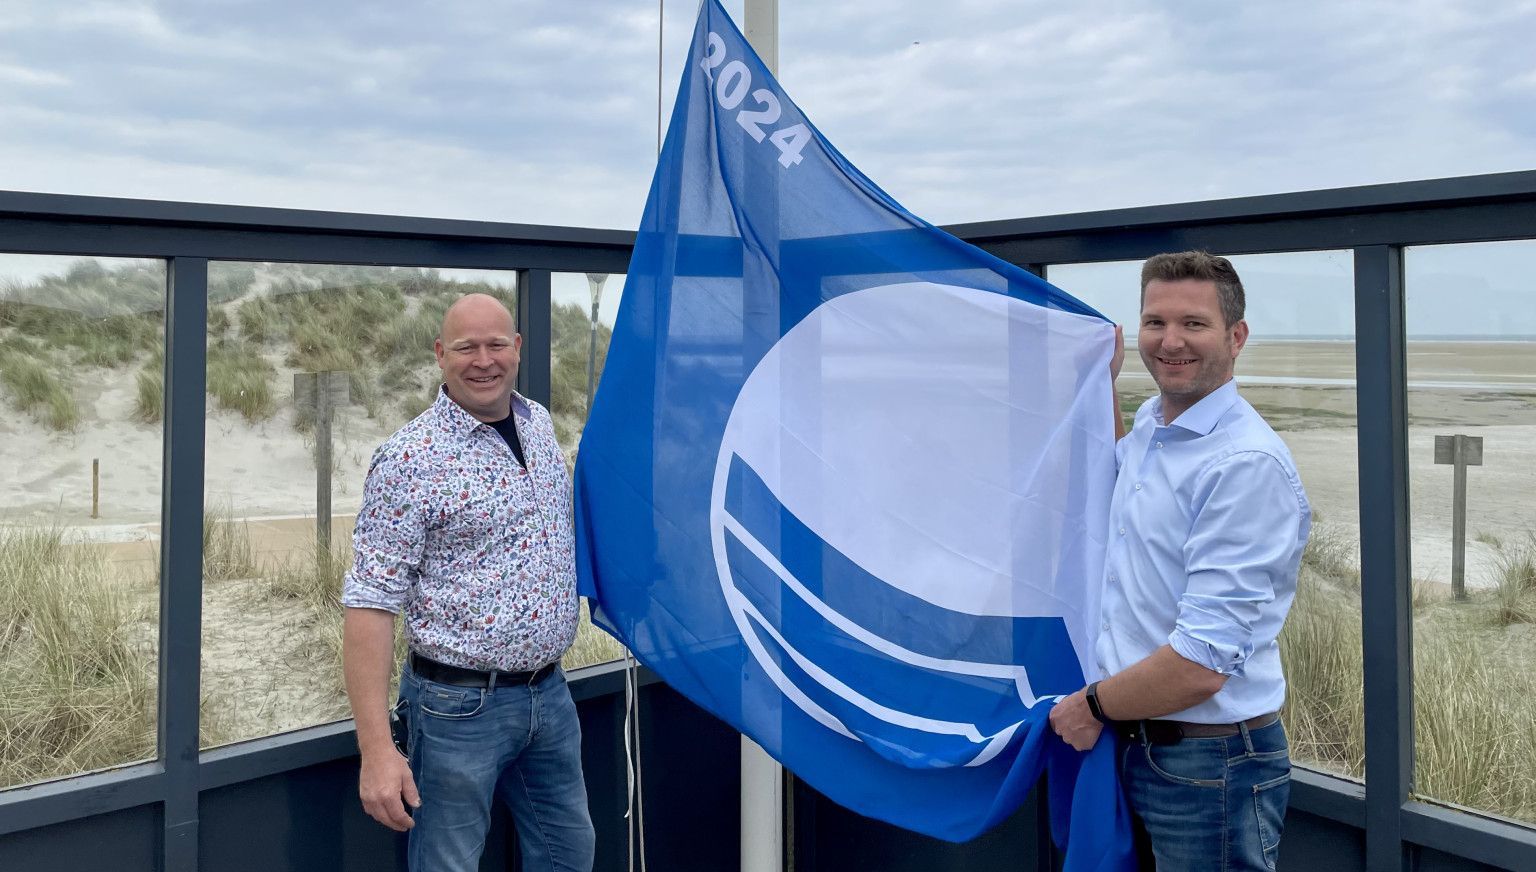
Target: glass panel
{"x":585,"y":306}
{"x":271,"y":615}
{"x":1472,"y":380}
{"x":1298,"y":371}
{"x":82,"y":344}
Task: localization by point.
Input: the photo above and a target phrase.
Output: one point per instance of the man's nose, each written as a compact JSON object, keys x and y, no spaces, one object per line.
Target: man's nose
{"x":483,"y":358}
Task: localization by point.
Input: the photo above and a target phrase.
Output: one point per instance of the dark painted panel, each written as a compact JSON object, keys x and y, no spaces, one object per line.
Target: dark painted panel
{"x":123,"y":841}
{"x":308,"y":820}
{"x":692,"y":783}
{"x":602,"y":767}
{"x":1317,"y":844}
{"x":1429,"y":860}
{"x":1503,"y":844}
{"x":843,"y":841}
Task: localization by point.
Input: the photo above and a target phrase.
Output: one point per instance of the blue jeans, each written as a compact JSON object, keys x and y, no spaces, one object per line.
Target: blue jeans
{"x":518,"y":742}
{"x":1211,"y":805}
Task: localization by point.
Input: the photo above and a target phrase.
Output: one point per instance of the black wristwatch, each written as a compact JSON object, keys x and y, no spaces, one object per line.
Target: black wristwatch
{"x":1092,"y":693}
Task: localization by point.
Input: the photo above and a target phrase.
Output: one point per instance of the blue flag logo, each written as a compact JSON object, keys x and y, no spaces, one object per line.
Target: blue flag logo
{"x":846,"y":479}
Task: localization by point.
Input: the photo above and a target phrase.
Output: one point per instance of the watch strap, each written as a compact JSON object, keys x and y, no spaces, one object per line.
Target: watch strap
{"x":1092,"y":694}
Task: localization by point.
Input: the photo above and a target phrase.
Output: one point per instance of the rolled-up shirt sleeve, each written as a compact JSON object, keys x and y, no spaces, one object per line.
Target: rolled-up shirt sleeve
{"x":1239,"y":554}
{"x":388,"y":539}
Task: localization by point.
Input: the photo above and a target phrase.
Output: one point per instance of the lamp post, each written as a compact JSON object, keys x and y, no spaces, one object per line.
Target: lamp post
{"x":595,"y":286}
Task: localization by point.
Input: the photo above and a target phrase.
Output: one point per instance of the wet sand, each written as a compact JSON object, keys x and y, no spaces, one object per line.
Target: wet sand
{"x":1478,"y":389}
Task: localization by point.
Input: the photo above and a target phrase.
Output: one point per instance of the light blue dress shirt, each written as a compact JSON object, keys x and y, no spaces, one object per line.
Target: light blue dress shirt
{"x":1207,"y":526}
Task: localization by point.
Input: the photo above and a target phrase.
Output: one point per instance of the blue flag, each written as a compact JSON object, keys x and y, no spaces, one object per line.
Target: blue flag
{"x":847,"y":479}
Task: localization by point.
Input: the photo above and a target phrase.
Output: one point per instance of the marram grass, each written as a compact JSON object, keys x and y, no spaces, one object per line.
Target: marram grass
{"x":79,"y":675}
{"x":1474,"y":685}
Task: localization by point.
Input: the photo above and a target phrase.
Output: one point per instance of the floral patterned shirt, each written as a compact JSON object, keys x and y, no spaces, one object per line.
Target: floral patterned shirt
{"x":476,"y":551}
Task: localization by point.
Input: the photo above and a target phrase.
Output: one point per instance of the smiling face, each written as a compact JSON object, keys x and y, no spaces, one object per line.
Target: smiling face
{"x":477,"y":351}
{"x":1185,"y":341}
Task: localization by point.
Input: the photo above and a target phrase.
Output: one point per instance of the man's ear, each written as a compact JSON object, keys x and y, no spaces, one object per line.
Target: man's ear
{"x":1239,"y":337}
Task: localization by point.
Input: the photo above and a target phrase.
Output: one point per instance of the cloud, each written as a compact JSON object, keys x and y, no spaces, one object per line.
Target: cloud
{"x":23,"y":76}
{"x":545,"y":112}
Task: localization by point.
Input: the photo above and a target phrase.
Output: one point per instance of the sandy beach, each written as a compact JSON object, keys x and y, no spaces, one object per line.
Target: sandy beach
{"x":266,"y":471}
{"x":262,"y":476}
{"x":1485,"y":389}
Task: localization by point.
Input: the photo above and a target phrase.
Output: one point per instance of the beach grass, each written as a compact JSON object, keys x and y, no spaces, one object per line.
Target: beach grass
{"x":240,"y":380}
{"x":1320,"y":649}
{"x":98,"y":313}
{"x":79,"y":691}
{"x":218,"y":322}
{"x":375,"y":324}
{"x":1475,"y":695}
{"x":1474,"y":687}
{"x":35,"y":388}
{"x":227,"y":551}
{"x":592,"y":646}
{"x":1514,"y":591}
{"x":149,"y":394}
{"x":1474,"y":709}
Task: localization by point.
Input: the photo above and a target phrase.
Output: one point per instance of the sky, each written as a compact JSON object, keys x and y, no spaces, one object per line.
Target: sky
{"x":545,"y":112}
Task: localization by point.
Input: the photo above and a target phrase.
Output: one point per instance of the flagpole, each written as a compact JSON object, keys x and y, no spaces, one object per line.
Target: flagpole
{"x":762,"y":779}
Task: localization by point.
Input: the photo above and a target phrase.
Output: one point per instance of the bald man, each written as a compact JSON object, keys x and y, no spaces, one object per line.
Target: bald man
{"x":465,"y":530}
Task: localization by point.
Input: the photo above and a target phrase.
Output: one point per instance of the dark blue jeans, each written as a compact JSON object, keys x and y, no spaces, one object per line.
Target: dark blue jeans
{"x":1211,"y":805}
{"x":518,"y":742}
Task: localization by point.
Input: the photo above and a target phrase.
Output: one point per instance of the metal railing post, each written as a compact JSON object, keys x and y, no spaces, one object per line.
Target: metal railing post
{"x":181,"y":556}
{"x":1385,"y":595}
{"x":534,"y":323}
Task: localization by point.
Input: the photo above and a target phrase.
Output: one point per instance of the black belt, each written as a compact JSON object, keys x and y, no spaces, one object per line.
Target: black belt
{"x":1172,"y":732}
{"x":459,"y":676}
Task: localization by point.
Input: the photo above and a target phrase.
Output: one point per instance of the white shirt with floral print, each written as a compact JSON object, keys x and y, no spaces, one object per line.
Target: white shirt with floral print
{"x":476,"y":551}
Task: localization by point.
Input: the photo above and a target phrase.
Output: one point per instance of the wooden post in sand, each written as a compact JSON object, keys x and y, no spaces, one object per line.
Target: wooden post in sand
{"x":321,"y":393}
{"x":1461,"y":452}
{"x":95,"y":487}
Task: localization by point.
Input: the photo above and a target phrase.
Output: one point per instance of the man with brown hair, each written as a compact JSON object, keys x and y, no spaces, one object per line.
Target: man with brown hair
{"x":1207,"y":527}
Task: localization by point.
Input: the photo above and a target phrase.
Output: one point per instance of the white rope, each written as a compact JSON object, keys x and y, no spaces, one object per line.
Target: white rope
{"x":634,"y":813}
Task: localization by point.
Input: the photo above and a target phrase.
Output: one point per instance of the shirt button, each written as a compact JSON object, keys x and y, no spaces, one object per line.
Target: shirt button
{"x":1138,"y":486}
{"x":1122,"y":531}
{"x":1111,"y":578}
{"x":1106,"y":626}
{"x":1159,"y":445}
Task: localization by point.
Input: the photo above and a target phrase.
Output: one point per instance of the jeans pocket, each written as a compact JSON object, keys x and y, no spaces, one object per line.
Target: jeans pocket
{"x":1194,"y":762}
{"x":446,"y":701}
{"x":1269,"y":801}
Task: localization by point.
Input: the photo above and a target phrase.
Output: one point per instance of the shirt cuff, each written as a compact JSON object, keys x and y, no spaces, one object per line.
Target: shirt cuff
{"x":358,"y":594}
{"x":1225,"y":659}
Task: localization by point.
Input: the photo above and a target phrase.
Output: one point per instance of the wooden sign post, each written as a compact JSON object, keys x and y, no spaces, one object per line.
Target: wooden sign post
{"x":1460,"y":452}
{"x":321,"y":393}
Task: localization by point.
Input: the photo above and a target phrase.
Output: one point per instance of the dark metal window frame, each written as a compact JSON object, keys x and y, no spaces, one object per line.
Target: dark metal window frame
{"x":1376,"y":222}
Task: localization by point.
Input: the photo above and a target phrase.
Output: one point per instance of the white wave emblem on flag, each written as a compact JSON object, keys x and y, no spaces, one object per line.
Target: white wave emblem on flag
{"x":894,"y":520}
